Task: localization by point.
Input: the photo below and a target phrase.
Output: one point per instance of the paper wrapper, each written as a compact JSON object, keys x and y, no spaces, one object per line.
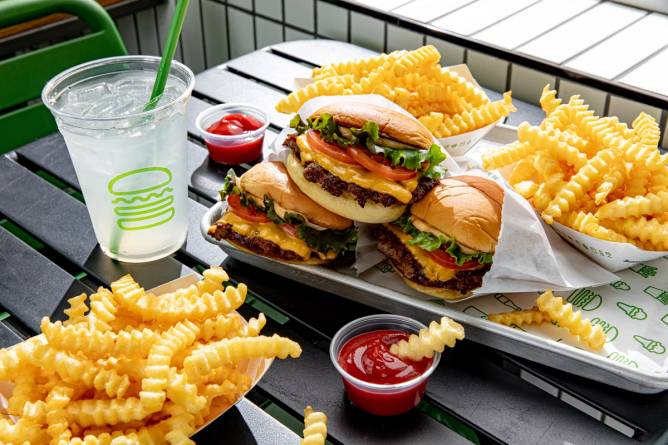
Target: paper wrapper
{"x":456,"y":145}
{"x":529,"y":256}
{"x":254,"y":368}
{"x":611,"y":255}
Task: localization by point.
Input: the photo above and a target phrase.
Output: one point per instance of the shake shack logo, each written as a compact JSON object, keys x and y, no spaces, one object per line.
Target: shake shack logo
{"x":142,"y":198}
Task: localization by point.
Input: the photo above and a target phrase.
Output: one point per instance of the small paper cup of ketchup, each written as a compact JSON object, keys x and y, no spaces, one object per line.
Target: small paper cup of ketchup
{"x":376,"y":380}
{"x":233,"y":132}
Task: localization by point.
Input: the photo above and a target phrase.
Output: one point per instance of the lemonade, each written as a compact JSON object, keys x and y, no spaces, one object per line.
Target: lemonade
{"x":131,"y":164}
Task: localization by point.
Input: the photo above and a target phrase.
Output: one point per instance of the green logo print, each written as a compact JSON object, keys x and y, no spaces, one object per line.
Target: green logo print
{"x":650,"y":345}
{"x":634,"y":312}
{"x":620,"y":285}
{"x":384,"y":267}
{"x":664,"y":319}
{"x":585,"y":299}
{"x":657,"y":293}
{"x":144,"y":198}
{"x":474,"y":312}
{"x":610,"y":330}
{"x":501,"y":298}
{"x":644,"y":270}
{"x":621,"y":358}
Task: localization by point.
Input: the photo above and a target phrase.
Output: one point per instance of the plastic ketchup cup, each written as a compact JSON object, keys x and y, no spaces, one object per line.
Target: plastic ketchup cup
{"x":234,"y":132}
{"x":387,"y":385}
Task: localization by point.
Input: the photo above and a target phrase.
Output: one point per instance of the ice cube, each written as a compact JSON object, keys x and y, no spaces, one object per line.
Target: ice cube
{"x":85,"y":95}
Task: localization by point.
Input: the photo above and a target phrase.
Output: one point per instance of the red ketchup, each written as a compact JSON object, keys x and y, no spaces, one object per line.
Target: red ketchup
{"x":367,"y":357}
{"x":233,"y":151}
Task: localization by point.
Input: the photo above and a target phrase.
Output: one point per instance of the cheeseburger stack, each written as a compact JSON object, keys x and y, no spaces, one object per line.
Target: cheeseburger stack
{"x":268,"y":215}
{"x":362,"y":161}
{"x":444,"y":245}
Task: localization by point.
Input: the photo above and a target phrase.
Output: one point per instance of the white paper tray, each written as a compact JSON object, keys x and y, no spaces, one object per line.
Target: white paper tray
{"x":539,"y":349}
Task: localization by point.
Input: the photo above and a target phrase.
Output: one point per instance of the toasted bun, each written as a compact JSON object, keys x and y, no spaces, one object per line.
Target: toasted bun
{"x":271,"y":178}
{"x":438,"y":292}
{"x":466,"y":208}
{"x":392,"y":124}
{"x":372,"y":212}
{"x":313,"y":261}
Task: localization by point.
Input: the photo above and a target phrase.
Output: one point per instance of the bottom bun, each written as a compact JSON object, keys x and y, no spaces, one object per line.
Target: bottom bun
{"x":312,"y":261}
{"x":439,"y":292}
{"x":372,"y":213}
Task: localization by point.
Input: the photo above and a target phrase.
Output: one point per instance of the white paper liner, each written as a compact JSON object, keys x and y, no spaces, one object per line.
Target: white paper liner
{"x":255,"y":368}
{"x":610,"y":255}
{"x":529,"y":256}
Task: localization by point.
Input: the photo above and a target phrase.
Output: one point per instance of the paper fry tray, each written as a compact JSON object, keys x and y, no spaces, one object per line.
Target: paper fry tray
{"x":254,"y":368}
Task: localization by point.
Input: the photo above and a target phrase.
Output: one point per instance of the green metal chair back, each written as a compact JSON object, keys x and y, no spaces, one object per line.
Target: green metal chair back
{"x":23,"y":117}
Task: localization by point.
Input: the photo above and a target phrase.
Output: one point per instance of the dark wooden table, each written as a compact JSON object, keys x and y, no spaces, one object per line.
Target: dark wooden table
{"x":48,"y":252}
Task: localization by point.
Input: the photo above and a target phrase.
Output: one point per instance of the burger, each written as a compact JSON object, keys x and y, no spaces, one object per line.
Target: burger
{"x":362,"y":161}
{"x":444,"y":244}
{"x":268,"y":215}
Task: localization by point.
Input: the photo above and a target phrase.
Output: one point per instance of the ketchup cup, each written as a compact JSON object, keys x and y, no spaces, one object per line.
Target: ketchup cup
{"x":236,"y":148}
{"x":375,"y":398}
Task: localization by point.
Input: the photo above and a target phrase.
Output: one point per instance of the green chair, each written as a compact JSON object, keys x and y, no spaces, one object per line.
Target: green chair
{"x":23,"y":117}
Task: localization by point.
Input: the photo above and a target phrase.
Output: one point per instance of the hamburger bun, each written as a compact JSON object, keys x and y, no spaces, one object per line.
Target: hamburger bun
{"x":466,"y":208}
{"x":345,"y":206}
{"x":438,"y":292}
{"x":392,"y":124}
{"x":311,"y":261}
{"x":271,"y":178}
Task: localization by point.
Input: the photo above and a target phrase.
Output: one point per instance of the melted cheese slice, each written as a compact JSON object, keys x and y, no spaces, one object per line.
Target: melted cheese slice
{"x":403,"y":190}
{"x":430,"y":268}
{"x":269,"y":231}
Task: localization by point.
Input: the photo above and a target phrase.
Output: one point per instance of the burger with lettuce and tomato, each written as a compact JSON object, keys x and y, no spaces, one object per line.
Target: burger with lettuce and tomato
{"x":268,"y":215}
{"x":444,"y":244}
{"x":361,"y":161}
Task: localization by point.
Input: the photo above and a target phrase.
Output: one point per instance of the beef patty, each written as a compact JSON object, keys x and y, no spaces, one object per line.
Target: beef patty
{"x":331,"y":183}
{"x":270,"y":249}
{"x":403,"y":260}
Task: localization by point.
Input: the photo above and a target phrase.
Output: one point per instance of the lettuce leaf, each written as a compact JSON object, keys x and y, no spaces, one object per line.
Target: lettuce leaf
{"x":426,"y":162}
{"x":430,"y":242}
{"x":321,"y":240}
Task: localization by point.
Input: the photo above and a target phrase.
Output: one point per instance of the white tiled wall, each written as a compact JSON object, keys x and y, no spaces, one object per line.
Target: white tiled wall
{"x":399,"y":38}
{"x":332,"y":21}
{"x":595,"y":98}
{"x":527,"y":84}
{"x":217,"y":30}
{"x":488,"y":71}
{"x":367,"y":31}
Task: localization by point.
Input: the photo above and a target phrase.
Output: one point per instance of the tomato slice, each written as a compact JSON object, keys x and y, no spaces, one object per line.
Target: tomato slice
{"x":378,"y":166}
{"x":247,"y":213}
{"x":446,"y":260}
{"x":331,"y":150}
{"x":289,"y":229}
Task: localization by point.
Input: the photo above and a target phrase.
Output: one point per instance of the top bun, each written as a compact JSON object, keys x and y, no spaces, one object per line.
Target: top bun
{"x":271,"y":178}
{"x":392,"y":124}
{"x":466,"y":208}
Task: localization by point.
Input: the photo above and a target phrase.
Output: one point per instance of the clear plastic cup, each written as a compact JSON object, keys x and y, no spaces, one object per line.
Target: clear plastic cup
{"x":131,"y":164}
{"x":232,"y":149}
{"x":381,"y":399}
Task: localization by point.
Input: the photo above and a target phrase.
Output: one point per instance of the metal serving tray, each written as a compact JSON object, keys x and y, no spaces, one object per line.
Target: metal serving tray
{"x":514,"y":341}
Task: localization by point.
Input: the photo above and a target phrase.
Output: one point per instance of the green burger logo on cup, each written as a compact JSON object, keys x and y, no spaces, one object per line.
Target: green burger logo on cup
{"x":144,"y":198}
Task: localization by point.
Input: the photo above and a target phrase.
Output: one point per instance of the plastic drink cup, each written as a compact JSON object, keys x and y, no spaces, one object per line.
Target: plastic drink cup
{"x":375,"y":398}
{"x":130,"y":163}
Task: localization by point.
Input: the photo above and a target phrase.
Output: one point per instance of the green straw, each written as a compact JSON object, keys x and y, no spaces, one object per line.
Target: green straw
{"x":160,"y":81}
{"x":168,"y":54}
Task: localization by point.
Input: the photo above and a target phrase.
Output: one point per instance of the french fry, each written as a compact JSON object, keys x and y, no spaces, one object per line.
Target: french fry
{"x":593,"y":174}
{"x":116,"y":373}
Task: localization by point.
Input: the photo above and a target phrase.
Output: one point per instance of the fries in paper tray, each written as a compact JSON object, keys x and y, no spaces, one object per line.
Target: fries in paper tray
{"x":447,"y":100}
{"x":601,"y":185}
{"x":134,"y":364}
